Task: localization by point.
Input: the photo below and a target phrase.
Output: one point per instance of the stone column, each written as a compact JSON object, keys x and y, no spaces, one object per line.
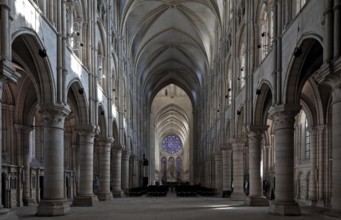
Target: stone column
{"x":125,"y":170}
{"x":284,"y":118}
{"x":337,"y":28}
{"x":218,"y":174}
{"x":321,"y":161}
{"x":256,"y":197}
{"x":104,"y":193}
{"x":116,"y":153}
{"x":27,"y":197}
{"x":333,"y":79}
{"x":6,"y":67}
{"x":227,"y":169}
{"x":54,"y":202}
{"x":336,"y":147}
{"x":328,"y":32}
{"x":313,"y":166}
{"x":238,"y":169}
{"x":85,"y":195}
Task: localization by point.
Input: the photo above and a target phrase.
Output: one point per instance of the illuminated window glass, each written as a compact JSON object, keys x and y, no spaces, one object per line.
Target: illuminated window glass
{"x":171,"y":144}
{"x":178,"y":167}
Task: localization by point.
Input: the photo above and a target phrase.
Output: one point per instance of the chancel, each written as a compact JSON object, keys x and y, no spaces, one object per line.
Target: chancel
{"x":107,"y":103}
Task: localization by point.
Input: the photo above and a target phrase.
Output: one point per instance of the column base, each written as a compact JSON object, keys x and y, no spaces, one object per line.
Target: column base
{"x":3,"y":210}
{"x":333,"y":213}
{"x":238,"y":196}
{"x":85,"y":201}
{"x":256,"y":201}
{"x":28,"y":202}
{"x":285,"y":208}
{"x":104,"y":196}
{"x":53,"y":207}
{"x":117,"y":194}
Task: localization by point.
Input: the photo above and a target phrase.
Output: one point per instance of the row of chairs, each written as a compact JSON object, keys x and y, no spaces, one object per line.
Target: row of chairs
{"x":186,"y":191}
{"x":157,"y":191}
{"x":205,"y":191}
{"x":136,"y":192}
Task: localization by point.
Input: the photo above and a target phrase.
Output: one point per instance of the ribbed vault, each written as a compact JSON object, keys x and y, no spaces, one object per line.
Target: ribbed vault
{"x":171,"y":41}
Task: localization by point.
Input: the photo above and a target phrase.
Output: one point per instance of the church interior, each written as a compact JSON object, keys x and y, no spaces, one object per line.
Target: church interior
{"x":102,"y":100}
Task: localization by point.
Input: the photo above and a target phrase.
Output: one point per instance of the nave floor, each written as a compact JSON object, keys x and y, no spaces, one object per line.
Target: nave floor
{"x":166,"y":208}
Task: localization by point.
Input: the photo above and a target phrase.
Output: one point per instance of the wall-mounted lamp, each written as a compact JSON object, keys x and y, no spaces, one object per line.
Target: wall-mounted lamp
{"x":258,"y":92}
{"x":102,"y":112}
{"x":99,"y":68}
{"x":239,"y":112}
{"x":260,"y":46}
{"x":242,"y":69}
{"x":241,"y":78}
{"x":81,"y":44}
{"x":297,"y":51}
{"x":81,"y":91}
{"x":263,"y":34}
{"x":229,"y":89}
{"x":42,"y":53}
{"x":226,"y":96}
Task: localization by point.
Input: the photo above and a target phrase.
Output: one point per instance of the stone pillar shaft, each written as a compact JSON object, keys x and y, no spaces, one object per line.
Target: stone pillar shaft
{"x":54,"y":202}
{"x":104,"y":177}
{"x":238,"y":170}
{"x":336,"y":148}
{"x":337,"y":28}
{"x":284,"y":171}
{"x":125,"y":170}
{"x":218,"y":174}
{"x":254,"y":164}
{"x":85,"y":196}
{"x":313,"y":162}
{"x":227,"y":168}
{"x":27,"y":198}
{"x":328,"y":31}
{"x":116,"y":172}
{"x":255,"y":182}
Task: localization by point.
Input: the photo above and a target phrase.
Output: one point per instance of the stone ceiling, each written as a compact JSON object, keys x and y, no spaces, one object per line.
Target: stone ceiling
{"x":172,"y":41}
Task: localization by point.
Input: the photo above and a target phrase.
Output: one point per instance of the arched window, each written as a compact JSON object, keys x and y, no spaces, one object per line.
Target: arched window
{"x":74,"y":27}
{"x":307,"y":140}
{"x":241,"y":77}
{"x":265,"y":30}
{"x":178,"y":168}
{"x":304,"y":136}
{"x":229,"y":86}
{"x":164,"y":168}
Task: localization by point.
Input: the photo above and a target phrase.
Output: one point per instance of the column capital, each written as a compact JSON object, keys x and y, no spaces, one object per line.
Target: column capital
{"x":104,"y":141}
{"x":284,"y":115}
{"x":330,"y":74}
{"x":87,"y":130}
{"x":54,"y":114}
{"x":126,"y":154}
{"x":7,"y":70}
{"x":24,"y":128}
{"x":257,"y":128}
{"x":320,"y":127}
{"x":238,"y":144}
{"x":117,"y":147}
{"x":225,"y":146}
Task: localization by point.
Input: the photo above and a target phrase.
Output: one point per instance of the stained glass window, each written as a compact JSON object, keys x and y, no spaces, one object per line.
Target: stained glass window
{"x":164,"y":168}
{"x":171,"y":144}
{"x":178,"y":167}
